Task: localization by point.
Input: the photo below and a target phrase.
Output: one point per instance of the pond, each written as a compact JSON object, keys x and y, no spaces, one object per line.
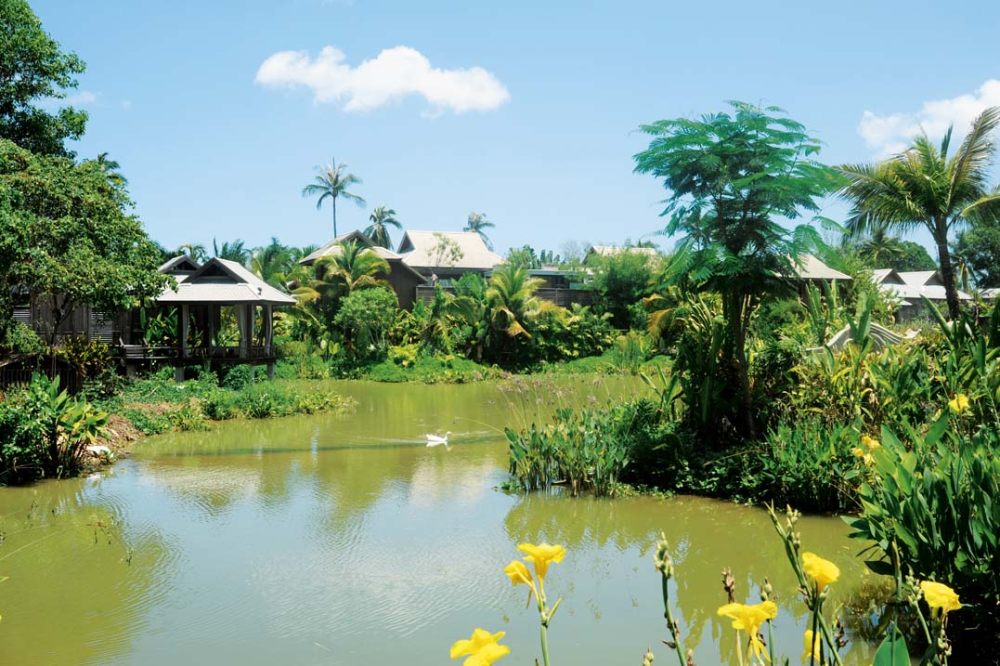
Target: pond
{"x":346,"y":540}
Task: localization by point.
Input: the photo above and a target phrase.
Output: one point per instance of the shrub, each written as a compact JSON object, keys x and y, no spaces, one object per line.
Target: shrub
{"x":187,"y":417}
{"x":238,"y":377}
{"x":43,"y":432}
{"x":934,"y":503}
{"x":630,"y":351}
{"x":147,"y":422}
{"x":22,"y":339}
{"x":365,"y":318}
{"x":260,"y":402}
{"x":219,"y":405}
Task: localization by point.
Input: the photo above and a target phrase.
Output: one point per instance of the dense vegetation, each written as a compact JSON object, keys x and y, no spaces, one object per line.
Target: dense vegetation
{"x":756,"y":407}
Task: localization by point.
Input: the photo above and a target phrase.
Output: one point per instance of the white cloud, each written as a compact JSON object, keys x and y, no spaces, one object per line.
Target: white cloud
{"x":891,"y":133}
{"x":389,"y":77}
{"x":81,"y":98}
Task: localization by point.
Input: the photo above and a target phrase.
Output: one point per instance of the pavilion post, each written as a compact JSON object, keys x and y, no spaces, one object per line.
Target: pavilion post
{"x":268,"y":337}
{"x":244,"y":316}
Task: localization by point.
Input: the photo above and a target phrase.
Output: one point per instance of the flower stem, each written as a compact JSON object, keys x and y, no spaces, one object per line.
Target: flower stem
{"x":545,"y":644}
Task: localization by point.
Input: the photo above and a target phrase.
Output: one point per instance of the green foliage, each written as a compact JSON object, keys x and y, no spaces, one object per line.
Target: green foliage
{"x":22,"y":339}
{"x":378,"y":231}
{"x":620,"y":281}
{"x":406,"y":364}
{"x":35,"y":71}
{"x":931,"y":505}
{"x":333,"y":182}
{"x":365,"y":319}
{"x":44,"y":432}
{"x":238,"y":377}
{"x":64,"y":233}
{"x":978,"y":248}
{"x":89,"y":357}
{"x":630,"y":352}
{"x":586,"y":449}
{"x":731,"y":177}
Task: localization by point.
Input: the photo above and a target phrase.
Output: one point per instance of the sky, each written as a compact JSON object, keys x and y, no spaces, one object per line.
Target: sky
{"x":220,"y":111}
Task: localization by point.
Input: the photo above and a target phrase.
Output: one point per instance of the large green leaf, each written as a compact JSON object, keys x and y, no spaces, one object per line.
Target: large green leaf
{"x":892,"y":651}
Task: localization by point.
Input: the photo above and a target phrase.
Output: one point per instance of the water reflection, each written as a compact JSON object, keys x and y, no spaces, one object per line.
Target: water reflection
{"x":345,"y":540}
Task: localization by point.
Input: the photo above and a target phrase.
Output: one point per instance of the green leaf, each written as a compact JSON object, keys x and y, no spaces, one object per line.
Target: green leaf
{"x":892,"y":651}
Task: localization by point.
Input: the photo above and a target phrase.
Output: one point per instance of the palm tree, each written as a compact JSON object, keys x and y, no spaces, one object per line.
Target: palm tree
{"x":195,"y":251}
{"x":356,"y":266}
{"x":924,"y":186}
{"x":111,"y":168}
{"x":880,"y":248}
{"x":381,"y":218}
{"x":478,"y":223}
{"x":232,"y":251}
{"x":332,"y":182}
{"x":511,"y":300}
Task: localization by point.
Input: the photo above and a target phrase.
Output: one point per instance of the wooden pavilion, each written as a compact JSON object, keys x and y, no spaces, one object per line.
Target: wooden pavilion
{"x":201,"y":294}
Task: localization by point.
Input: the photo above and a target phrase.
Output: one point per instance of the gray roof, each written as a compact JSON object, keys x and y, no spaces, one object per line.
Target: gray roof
{"x":333,"y":248}
{"x":417,"y":250}
{"x":226,"y":283}
{"x":811,"y":268}
{"x":911,"y":286}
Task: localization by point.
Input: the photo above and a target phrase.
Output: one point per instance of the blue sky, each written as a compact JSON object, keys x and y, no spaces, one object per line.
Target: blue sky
{"x":540,"y":138}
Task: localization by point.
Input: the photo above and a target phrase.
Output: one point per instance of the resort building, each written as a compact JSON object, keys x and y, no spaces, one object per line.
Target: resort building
{"x":444,"y":256}
{"x":911,"y":288}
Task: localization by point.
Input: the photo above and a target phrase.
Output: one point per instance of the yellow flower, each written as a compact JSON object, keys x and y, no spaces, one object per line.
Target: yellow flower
{"x":810,"y":643}
{"x":860,"y":454}
{"x":481,"y":648}
{"x":940,"y":597}
{"x":822,"y":572}
{"x":959,"y":404}
{"x":518,"y":573}
{"x":870,"y":442}
{"x":541,"y":556}
{"x":749,"y":618}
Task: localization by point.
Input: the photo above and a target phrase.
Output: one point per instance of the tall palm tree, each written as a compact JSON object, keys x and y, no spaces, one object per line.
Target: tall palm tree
{"x":477,"y":222}
{"x":925,"y":186}
{"x":377,"y":231}
{"x":332,"y":182}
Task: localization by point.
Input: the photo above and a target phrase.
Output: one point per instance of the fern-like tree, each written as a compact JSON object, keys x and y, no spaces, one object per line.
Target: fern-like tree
{"x":926,"y":187}
{"x":378,"y":230}
{"x":332,"y":182}
{"x":731,"y":178}
{"x":478,"y":223}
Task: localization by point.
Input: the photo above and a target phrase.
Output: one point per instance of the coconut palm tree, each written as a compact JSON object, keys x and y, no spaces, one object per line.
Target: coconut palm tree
{"x":232,"y":251}
{"x":111,"y":168}
{"x":377,"y":231}
{"x":880,"y":248}
{"x":332,"y":182}
{"x":511,"y":301}
{"x":195,"y":251}
{"x":356,"y":266}
{"x":477,"y":222}
{"x":925,"y":186}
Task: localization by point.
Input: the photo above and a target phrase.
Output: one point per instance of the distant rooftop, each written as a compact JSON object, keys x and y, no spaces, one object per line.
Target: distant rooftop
{"x":612,"y":250}
{"x":811,"y":268}
{"x":418,"y":250}
{"x":333,"y":248}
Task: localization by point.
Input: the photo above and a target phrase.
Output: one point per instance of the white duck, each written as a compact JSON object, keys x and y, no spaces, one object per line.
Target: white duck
{"x":437,"y":440}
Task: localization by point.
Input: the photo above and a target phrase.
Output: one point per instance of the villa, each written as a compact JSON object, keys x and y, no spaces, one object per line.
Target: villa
{"x":911,"y":288}
{"x":444,"y":256}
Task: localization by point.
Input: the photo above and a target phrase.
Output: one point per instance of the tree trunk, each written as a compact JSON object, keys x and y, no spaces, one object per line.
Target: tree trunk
{"x":736,"y":320}
{"x":334,"y":217}
{"x":947,"y":269}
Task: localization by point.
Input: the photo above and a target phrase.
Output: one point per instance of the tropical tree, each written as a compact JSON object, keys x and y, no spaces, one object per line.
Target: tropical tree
{"x":978,"y":247}
{"x":33,"y":72}
{"x":232,"y":250}
{"x":478,"y":223}
{"x":196,"y":251}
{"x":378,"y":232}
{"x":511,"y":302}
{"x":111,"y":168}
{"x":355,"y":266}
{"x":278,"y":264}
{"x":925,"y":186}
{"x":332,"y":182}
{"x":731,"y":177}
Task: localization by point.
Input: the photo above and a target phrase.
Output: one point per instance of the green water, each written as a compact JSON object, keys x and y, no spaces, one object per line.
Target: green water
{"x":345,"y":540}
